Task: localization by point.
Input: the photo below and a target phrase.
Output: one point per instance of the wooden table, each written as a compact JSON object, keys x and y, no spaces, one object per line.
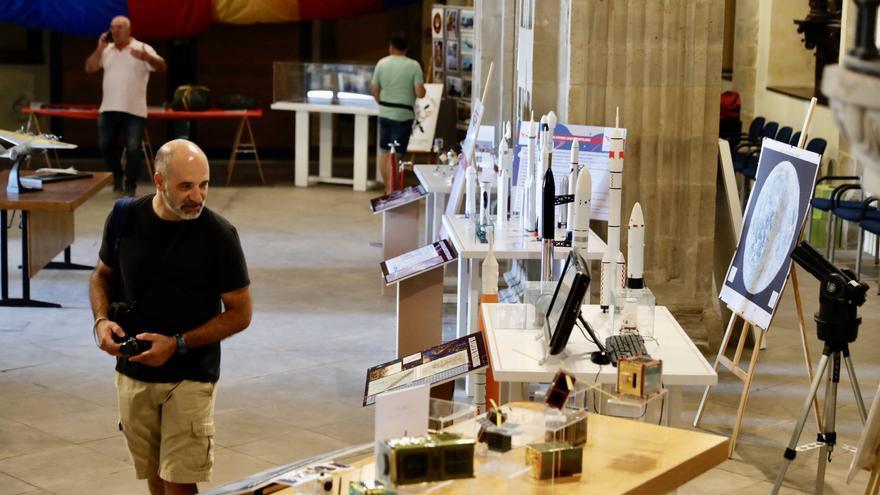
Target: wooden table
{"x":46,"y":230}
{"x":621,"y":457}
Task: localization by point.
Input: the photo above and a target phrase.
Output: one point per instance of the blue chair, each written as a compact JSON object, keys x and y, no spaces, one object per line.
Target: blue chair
{"x":746,"y":148}
{"x":850,"y":210}
{"x":784,"y":134}
{"x":751,"y":168}
{"x":795,"y":138}
{"x":817,"y":145}
{"x":870,"y":222}
{"x":750,"y":162}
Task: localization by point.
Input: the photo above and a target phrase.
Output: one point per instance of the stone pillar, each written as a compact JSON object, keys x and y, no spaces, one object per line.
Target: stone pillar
{"x":494,"y":29}
{"x":660,"y":62}
{"x":745,"y":57}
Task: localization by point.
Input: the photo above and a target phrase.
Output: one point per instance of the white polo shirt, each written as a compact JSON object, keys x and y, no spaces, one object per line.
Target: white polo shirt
{"x":125,"y":79}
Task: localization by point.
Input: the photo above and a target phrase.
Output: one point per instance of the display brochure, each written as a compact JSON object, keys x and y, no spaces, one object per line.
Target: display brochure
{"x":775,"y":212}
{"x":594,"y":146}
{"x":397,"y":198}
{"x":434,"y":366}
{"x":417,"y":261}
{"x":425,"y":122}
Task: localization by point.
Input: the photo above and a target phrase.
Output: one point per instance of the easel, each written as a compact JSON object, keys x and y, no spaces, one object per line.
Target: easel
{"x":733,"y":365}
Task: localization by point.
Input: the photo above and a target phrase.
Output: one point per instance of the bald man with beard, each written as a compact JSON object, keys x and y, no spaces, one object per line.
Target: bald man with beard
{"x":179,"y":271}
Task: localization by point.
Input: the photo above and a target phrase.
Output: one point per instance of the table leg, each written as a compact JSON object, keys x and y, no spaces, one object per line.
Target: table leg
{"x":377,"y":157}
{"x":361,"y":143}
{"x":325,"y":150}
{"x":475,"y":286}
{"x":67,"y":264}
{"x":439,"y":209}
{"x":461,"y":297}
{"x":256,"y":153}
{"x":673,"y":407}
{"x":25,"y":300}
{"x":234,"y":152}
{"x":301,"y":145}
{"x":429,"y":218}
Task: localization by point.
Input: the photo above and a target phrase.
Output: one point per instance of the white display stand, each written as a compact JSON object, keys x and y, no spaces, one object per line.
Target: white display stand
{"x":509,"y":244}
{"x":515,"y":352}
{"x":437,"y":180}
{"x":362,"y":111}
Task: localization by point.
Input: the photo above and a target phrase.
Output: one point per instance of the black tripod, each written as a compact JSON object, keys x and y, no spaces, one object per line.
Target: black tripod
{"x":837,"y":325}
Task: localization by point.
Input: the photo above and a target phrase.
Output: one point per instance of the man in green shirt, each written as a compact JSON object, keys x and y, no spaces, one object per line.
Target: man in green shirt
{"x":397,"y":82}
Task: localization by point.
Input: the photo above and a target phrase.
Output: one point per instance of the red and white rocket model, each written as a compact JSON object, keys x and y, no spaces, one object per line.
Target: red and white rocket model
{"x":635,"y":249}
{"x":612,"y":262}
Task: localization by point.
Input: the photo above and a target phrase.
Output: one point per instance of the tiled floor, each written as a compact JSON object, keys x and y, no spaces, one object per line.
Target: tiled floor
{"x":291,"y":384}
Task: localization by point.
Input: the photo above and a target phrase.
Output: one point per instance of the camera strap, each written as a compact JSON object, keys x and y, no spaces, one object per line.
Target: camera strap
{"x":118,"y":220}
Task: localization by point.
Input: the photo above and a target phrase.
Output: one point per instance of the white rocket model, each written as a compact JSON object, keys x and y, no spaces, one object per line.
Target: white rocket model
{"x":635,"y":249}
{"x":540,"y":168}
{"x":470,"y":192}
{"x":529,"y":214}
{"x":544,"y":166}
{"x":502,"y":190}
{"x":490,"y":266}
{"x":583,"y":195}
{"x":612,"y":261}
{"x":568,"y":216}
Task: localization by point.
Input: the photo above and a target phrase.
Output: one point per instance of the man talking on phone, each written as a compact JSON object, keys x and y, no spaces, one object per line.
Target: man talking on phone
{"x":127,"y":64}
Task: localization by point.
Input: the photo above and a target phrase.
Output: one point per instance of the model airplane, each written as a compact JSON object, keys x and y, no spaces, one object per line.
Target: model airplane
{"x":25,"y":145}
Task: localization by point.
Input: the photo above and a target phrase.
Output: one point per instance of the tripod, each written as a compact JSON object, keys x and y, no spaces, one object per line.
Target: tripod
{"x":837,"y":325}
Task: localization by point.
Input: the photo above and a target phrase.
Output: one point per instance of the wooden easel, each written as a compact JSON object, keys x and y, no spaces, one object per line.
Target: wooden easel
{"x":733,"y":365}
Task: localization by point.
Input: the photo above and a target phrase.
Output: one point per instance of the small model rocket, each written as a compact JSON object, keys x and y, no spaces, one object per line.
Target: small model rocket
{"x":490,"y":266}
{"x":612,"y":261}
{"x":503,"y":188}
{"x":548,"y":224}
{"x":470,"y":192}
{"x":635,"y":249}
{"x":569,"y":211}
{"x":583,"y":194}
{"x":540,"y":167}
{"x":529,"y":215}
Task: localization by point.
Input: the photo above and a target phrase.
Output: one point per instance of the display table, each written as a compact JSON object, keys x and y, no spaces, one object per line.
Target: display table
{"x":90,"y":112}
{"x":361,"y":109}
{"x":46,"y":230}
{"x":621,"y":456}
{"x":515,"y":351}
{"x":437,"y":180}
{"x":509,"y":244}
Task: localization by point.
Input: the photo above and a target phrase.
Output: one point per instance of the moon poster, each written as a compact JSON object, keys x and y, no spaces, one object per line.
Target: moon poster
{"x":775,"y":212}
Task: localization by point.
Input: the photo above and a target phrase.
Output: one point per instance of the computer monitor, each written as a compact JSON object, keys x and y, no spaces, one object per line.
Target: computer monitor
{"x":565,"y":306}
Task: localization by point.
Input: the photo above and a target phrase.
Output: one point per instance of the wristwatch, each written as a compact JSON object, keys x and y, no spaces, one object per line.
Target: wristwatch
{"x":181,"y":345}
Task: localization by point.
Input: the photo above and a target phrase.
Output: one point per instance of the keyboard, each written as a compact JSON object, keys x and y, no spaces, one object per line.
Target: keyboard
{"x":624,"y":346}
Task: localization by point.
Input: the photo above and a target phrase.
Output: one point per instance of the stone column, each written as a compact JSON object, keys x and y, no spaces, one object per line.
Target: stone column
{"x":495,"y":25}
{"x":660,"y":62}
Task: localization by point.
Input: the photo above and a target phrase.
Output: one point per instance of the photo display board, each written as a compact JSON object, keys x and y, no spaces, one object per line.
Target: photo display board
{"x":434,"y":366}
{"x":417,"y":261}
{"x":775,"y":213}
{"x":397,"y":198}
{"x":425,"y":122}
{"x":594,"y":145}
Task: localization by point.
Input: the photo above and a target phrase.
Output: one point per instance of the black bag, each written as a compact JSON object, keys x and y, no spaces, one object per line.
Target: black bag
{"x":189,"y":97}
{"x":237,"y":102}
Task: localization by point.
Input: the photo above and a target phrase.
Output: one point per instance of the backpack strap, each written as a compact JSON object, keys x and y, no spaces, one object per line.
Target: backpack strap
{"x":118,"y":219}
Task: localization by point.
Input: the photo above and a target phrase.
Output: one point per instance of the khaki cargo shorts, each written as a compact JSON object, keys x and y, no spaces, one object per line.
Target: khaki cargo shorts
{"x":169,"y":428}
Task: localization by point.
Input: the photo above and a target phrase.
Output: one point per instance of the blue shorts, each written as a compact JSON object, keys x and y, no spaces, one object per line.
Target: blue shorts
{"x":394,"y":130}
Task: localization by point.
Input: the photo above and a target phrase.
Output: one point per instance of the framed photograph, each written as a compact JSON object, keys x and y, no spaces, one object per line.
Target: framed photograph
{"x":466,"y":21}
{"x":437,"y":54}
{"x":467,"y":65}
{"x":467,"y":44}
{"x":466,"y":88}
{"x":453,"y":87}
{"x":771,"y":226}
{"x":438,"y":76}
{"x":464,"y":110}
{"x":452,"y":64}
{"x":437,"y":22}
{"x":451,"y":24}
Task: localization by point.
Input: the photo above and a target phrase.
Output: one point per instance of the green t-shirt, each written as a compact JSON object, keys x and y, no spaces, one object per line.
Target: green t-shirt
{"x":397,"y":76}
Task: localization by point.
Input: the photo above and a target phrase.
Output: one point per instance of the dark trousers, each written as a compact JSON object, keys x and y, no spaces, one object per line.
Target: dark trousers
{"x":110,"y":126}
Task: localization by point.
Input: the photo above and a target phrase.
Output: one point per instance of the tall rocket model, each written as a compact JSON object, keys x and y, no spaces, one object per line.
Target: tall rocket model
{"x":548,"y":224}
{"x":529,"y":214}
{"x":470,"y":192}
{"x":567,"y":214}
{"x":612,"y":261}
{"x":542,"y":168}
{"x":503,"y":187}
{"x":583,"y":194}
{"x":635,"y":249}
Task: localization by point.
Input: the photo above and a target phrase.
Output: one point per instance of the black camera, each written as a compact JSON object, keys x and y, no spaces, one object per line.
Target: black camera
{"x":108,"y":38}
{"x":124,"y":316}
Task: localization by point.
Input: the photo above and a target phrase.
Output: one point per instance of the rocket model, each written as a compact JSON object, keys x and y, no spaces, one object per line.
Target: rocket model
{"x":501,"y":199}
{"x":529,"y":215}
{"x":484,"y":203}
{"x":540,"y":168}
{"x":583,"y":195}
{"x":612,"y":262}
{"x":470,"y":192}
{"x":567,"y":215}
{"x":635,"y":249}
{"x":548,"y":224}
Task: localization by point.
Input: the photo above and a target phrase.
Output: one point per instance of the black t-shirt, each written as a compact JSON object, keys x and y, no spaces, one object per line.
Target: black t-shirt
{"x":173,"y":273}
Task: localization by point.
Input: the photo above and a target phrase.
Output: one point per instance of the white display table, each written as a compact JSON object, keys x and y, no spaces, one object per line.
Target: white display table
{"x":361,"y":110}
{"x":509,"y":244}
{"x":437,"y":180}
{"x":515,"y":352}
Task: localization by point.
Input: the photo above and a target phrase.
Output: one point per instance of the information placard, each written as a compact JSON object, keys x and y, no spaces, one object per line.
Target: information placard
{"x":417,"y":261}
{"x":397,"y":198}
{"x":434,"y":366}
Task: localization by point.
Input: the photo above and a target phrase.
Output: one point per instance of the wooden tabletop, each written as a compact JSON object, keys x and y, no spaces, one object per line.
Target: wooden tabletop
{"x":56,"y":196}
